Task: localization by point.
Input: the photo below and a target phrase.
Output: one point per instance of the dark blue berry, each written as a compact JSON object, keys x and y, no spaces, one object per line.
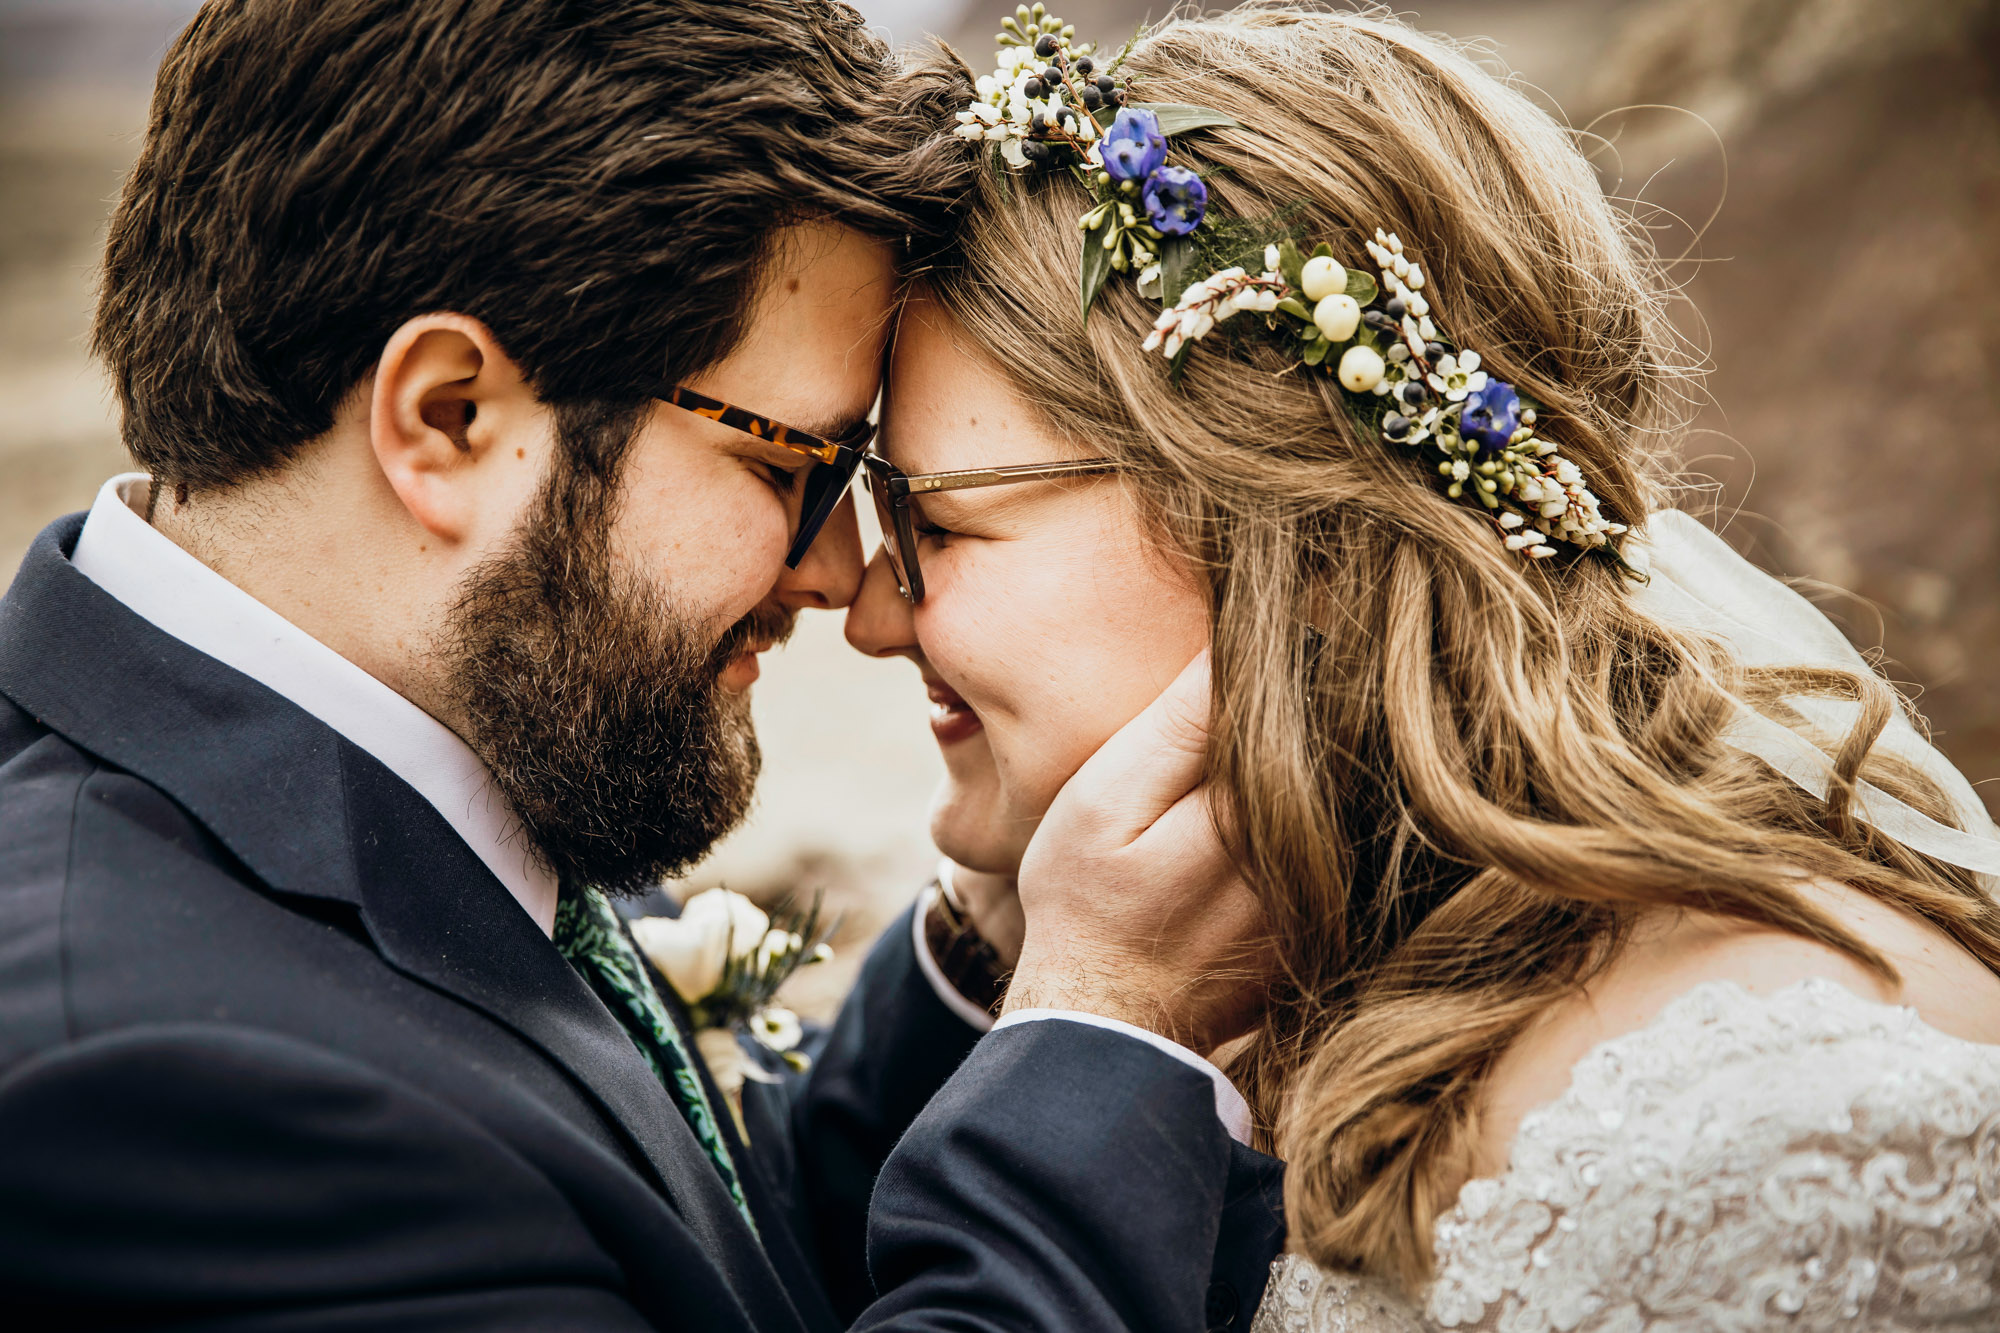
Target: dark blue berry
{"x":1395,"y":307}
{"x":1092,"y":99}
{"x":1084,"y":64}
{"x":1033,"y":88}
{"x":1375,"y":319}
{"x":1413,"y":393}
{"x":1396,"y":426}
{"x":1046,"y":47}
{"x":1035,"y":150}
{"x":1106,"y":84}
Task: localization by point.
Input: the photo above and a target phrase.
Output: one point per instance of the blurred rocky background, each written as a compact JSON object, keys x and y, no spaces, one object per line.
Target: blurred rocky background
{"x":1829,"y":168}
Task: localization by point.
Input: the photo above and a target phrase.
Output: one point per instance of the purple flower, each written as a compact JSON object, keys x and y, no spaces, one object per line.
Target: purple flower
{"x":1491,"y":415}
{"x":1133,"y":147}
{"x":1175,"y":200}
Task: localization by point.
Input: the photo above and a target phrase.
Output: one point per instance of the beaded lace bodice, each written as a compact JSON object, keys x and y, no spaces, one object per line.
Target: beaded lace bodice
{"x":1805,"y":1159}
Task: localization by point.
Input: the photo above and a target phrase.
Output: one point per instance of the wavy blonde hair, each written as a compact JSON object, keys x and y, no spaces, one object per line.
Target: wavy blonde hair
{"x":1455,"y":804}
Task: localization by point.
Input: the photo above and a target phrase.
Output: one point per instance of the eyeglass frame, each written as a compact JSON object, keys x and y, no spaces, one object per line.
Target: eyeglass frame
{"x":892,"y":488}
{"x":824,"y":485}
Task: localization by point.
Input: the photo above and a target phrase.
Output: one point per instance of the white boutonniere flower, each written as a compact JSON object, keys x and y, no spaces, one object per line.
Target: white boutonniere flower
{"x":726,"y":958}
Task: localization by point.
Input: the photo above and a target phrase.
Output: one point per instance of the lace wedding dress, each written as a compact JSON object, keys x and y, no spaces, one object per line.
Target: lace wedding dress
{"x":1804,"y":1159}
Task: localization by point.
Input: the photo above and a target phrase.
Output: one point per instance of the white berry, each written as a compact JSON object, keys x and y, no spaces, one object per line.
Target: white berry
{"x":1322,"y":277}
{"x":1337,"y":316}
{"x":1360,"y":368}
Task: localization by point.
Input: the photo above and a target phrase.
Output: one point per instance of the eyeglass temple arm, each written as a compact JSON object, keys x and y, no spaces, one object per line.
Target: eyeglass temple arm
{"x":927,"y":482}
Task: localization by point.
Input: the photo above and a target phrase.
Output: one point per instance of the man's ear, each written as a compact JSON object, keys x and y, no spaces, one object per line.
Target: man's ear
{"x":446,"y":409}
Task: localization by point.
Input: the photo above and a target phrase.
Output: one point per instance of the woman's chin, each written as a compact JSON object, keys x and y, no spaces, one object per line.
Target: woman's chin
{"x":967,"y":830}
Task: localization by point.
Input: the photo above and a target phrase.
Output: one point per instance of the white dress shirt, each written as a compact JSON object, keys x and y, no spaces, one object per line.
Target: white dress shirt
{"x":161,"y":583}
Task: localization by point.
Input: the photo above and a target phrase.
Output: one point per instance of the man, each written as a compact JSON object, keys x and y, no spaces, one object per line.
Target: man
{"x":480,"y":354}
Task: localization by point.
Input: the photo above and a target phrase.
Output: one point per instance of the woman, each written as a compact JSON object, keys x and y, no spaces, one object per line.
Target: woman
{"x":1637,"y":972}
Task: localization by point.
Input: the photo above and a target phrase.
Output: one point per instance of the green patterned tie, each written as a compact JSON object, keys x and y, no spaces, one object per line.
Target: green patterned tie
{"x":591,"y":935}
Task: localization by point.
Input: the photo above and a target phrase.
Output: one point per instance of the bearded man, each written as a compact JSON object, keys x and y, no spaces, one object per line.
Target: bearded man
{"x":493,"y":366}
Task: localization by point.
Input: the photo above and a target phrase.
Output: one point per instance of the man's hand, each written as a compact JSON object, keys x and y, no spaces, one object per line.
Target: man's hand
{"x":1134,"y":909}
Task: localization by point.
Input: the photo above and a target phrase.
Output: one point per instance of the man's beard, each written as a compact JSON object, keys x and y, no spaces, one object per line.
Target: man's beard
{"x":595,"y":702}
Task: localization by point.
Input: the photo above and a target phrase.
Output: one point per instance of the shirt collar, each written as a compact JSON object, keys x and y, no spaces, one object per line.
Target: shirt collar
{"x":164,"y":585}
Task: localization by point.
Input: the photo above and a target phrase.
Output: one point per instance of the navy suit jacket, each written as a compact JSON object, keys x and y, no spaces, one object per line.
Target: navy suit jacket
{"x":277,"y":1052}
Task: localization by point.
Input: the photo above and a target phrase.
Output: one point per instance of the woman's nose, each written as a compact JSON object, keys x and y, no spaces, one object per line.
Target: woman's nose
{"x":879,"y":622}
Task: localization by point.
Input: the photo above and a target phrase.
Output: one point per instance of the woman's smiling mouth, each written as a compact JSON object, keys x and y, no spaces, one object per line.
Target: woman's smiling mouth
{"x":952,"y":719}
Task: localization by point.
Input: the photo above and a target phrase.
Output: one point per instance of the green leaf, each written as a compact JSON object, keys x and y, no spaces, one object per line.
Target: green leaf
{"x":1322,"y":251}
{"x":1296,"y":308}
{"x":1176,"y":118}
{"x":1290,"y":266}
{"x":1316,"y":351}
{"x":1104,"y":115}
{"x":1096,"y":261}
{"x":1360,"y":286}
{"x":1176,"y":253}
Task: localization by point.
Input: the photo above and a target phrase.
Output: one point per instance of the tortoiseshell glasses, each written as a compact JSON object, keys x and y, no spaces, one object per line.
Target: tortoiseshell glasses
{"x":892,"y":488}
{"x":835,"y":460}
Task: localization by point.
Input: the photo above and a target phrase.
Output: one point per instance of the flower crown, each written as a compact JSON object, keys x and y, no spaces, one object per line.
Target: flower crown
{"x":1404,"y":379}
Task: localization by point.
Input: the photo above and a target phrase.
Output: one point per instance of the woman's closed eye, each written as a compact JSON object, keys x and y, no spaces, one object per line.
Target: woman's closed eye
{"x":930,"y":530}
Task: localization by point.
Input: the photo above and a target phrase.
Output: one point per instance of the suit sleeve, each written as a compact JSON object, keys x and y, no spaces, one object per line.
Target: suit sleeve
{"x":1065,"y":1178}
{"x":885,"y":1056}
{"x":215,"y":1176}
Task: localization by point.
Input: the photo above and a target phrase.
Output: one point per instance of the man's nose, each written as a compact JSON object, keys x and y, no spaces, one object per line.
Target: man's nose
{"x":829,"y":575}
{"x":879,"y":623}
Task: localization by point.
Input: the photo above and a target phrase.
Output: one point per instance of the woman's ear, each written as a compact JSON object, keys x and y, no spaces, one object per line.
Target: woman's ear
{"x":446,"y":406}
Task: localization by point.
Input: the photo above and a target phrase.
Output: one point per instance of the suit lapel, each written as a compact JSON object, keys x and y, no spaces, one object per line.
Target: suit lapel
{"x":309,"y":813}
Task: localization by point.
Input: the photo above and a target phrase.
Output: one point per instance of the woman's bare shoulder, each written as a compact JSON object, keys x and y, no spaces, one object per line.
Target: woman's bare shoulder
{"x":1673,"y":953}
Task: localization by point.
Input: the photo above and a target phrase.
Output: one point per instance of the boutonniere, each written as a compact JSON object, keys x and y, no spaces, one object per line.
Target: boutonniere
{"x":726,"y":958}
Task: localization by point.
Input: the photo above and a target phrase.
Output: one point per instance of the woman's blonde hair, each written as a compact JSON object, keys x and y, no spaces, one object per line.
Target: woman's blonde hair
{"x":1455,"y":776}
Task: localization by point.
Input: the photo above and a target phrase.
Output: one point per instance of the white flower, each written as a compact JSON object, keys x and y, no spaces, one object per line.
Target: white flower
{"x":773,"y":948}
{"x":1510,"y":520}
{"x":1149,"y":283}
{"x":690,"y":954}
{"x":1457,"y":376}
{"x":776,"y":1028}
{"x":1010,"y":149}
{"x":744,"y":921}
{"x":1270,"y":258}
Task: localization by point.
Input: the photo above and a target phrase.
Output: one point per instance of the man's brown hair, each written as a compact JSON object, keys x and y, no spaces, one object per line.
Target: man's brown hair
{"x":595,"y":180}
